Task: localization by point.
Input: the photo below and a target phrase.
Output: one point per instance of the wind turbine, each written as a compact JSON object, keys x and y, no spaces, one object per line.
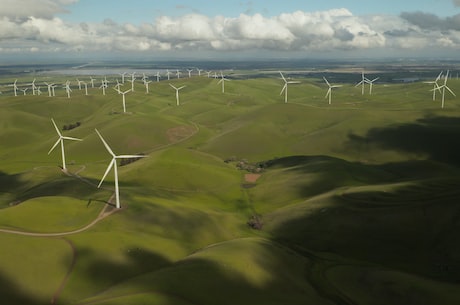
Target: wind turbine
{"x":33,"y":87}
{"x":113,"y":164}
{"x":329,"y":91}
{"x":124,"y":98}
{"x":67,"y":88}
{"x":209,"y":73}
{"x":178,"y":73}
{"x":371,"y":83}
{"x":444,"y":87}
{"x":133,"y":78}
{"x":158,"y":76}
{"x":363,"y":81}
{"x":123,"y":77}
{"x":168,"y":73}
{"x":15,"y":87}
{"x":435,"y":85}
{"x":92,"y":81}
{"x":189,"y":72}
{"x":61,"y":140}
{"x":177,"y":93}
{"x":86,"y":87}
{"x":146,"y":83}
{"x":39,"y":92}
{"x":199,"y":71}
{"x":49,"y":89}
{"x":285,"y":87}
{"x":79,"y":83}
{"x":24,"y":90}
{"x":223,"y":80}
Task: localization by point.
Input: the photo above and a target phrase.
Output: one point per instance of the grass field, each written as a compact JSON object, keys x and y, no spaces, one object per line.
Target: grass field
{"x":357,"y":202}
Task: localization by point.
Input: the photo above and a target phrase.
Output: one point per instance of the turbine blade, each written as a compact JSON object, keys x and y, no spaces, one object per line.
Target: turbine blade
{"x":105,"y":143}
{"x":284,"y":88}
{"x":130,"y":156}
{"x":328,"y":92}
{"x":57,"y":129}
{"x":73,"y":139}
{"x":282,"y":76}
{"x":107,"y":171}
{"x":181,"y":87}
{"x":173,"y":86}
{"x":54,"y":146}
{"x":450,"y":91}
{"x":326,"y":81}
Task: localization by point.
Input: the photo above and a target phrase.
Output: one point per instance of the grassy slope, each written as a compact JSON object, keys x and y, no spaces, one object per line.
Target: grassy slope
{"x":358,"y":195}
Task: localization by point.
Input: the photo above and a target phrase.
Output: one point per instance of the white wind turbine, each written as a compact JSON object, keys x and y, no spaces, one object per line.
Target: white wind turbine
{"x":177,"y":92}
{"x":371,"y":83}
{"x":285,"y":87}
{"x":80,"y":82}
{"x":15,"y":87}
{"x":33,"y":87}
{"x":199,"y":71}
{"x":50,"y":86}
{"x":86,"y":87}
{"x":444,"y":87}
{"x":67,"y":88}
{"x":329,"y":91}
{"x":435,"y":85}
{"x":158,"y":76}
{"x":124,"y":98}
{"x":168,"y":73}
{"x":123,"y":77}
{"x":178,"y":73}
{"x":133,"y":78}
{"x":146,"y":83}
{"x":61,"y":140}
{"x":113,"y":164}
{"x":189,"y":72}
{"x":209,"y":73}
{"x":223,"y":80}
{"x":92,"y":81}
{"x":39,"y":92}
{"x":24,"y":90}
{"x":363,"y":81}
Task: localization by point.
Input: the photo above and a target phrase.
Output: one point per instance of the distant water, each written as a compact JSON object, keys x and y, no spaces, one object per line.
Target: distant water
{"x":104,"y":71}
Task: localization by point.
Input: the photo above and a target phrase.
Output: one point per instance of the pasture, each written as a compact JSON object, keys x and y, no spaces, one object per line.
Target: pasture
{"x":357,"y":200}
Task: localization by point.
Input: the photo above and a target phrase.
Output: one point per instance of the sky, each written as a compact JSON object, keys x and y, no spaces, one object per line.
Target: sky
{"x":203,"y":29}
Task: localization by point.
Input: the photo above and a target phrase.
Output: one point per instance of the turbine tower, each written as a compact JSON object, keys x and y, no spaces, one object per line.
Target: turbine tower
{"x":371,"y":83}
{"x":61,"y":140}
{"x":15,"y":87}
{"x":177,"y":93}
{"x":285,"y":87}
{"x":435,"y":85}
{"x":444,"y":87}
{"x":329,"y":91}
{"x":223,"y":80}
{"x":124,"y":98}
{"x":363,"y":81}
{"x":113,"y":164}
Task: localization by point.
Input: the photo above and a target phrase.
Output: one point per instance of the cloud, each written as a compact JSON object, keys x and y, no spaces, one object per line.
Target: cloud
{"x":456,"y":2}
{"x":299,"y":31}
{"x":15,"y":9}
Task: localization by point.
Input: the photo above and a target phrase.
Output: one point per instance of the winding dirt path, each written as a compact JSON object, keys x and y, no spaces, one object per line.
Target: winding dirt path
{"x":106,"y":211}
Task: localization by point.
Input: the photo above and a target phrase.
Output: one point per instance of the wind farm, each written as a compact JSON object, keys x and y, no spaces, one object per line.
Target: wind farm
{"x":246,"y":197}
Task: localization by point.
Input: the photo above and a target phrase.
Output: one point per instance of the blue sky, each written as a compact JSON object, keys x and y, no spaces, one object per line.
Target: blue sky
{"x":144,"y":10}
{"x":199,"y":28}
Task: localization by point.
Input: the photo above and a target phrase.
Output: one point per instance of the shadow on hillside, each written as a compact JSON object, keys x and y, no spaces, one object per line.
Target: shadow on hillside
{"x":435,"y":137}
{"x":12,"y":295}
{"x":203,"y":281}
{"x":409,"y":227}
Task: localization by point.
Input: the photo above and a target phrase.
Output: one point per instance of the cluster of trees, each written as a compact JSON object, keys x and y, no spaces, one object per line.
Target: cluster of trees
{"x":255,"y":222}
{"x":243,"y":164}
{"x":71,"y":126}
{"x":126,"y":161}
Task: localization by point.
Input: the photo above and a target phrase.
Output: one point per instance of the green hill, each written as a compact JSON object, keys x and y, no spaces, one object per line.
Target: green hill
{"x":355,"y":202}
